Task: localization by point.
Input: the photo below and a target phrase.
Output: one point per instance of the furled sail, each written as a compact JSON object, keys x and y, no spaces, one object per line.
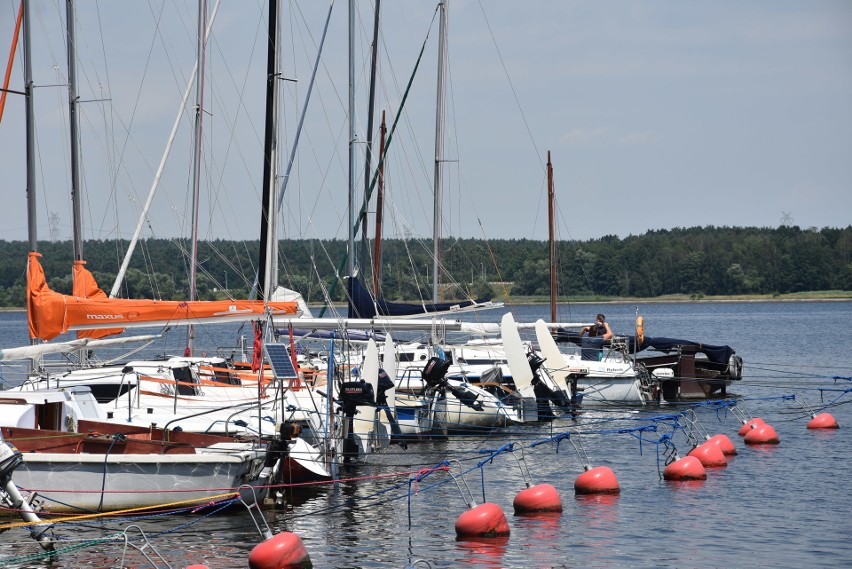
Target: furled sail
{"x":50,"y":313}
{"x":85,"y":286}
{"x":363,"y":305}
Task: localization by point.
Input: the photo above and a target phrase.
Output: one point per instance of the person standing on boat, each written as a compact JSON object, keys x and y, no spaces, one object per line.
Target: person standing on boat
{"x":591,"y":348}
{"x":599,"y":329}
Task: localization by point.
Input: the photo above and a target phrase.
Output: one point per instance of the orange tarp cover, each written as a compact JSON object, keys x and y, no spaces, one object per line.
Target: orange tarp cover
{"x":50,"y":313}
{"x":85,"y":286}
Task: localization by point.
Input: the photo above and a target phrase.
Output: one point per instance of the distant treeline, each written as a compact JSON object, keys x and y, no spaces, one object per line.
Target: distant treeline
{"x":694,"y":261}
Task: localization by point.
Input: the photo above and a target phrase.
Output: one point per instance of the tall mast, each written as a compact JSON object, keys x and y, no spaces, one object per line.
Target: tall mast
{"x":116,"y":286}
{"x":377,"y":253}
{"x":369,"y":149}
{"x":267,"y":277}
{"x":32,"y":234}
{"x":551,"y":240}
{"x":74,"y":127}
{"x":439,"y":152}
{"x":196,"y":166}
{"x":350,"y":261}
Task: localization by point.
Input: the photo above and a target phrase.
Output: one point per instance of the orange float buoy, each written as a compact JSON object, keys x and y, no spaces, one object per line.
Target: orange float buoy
{"x":284,"y":550}
{"x":484,"y":520}
{"x":724,"y":444}
{"x":823,"y":421}
{"x":598,"y":480}
{"x":710,"y":455}
{"x":749,"y":425}
{"x":686,"y":468}
{"x":762,"y":435}
{"x":538,"y":498}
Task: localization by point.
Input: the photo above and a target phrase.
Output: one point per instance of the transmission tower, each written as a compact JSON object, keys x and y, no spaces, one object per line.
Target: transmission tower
{"x":53,"y":224}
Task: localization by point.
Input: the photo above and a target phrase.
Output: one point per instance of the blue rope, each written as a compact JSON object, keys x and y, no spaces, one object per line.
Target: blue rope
{"x":420,"y":476}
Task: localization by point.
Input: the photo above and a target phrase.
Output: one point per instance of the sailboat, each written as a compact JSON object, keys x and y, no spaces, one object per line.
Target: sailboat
{"x":612,"y":372}
{"x":76,"y":461}
{"x":154,"y":393}
{"x":132,"y":467}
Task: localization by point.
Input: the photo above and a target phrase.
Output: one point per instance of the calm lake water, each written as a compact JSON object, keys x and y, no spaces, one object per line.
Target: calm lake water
{"x":778,"y":506}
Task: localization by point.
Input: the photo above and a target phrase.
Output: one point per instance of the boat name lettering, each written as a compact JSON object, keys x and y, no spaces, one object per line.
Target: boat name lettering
{"x":104,"y":316}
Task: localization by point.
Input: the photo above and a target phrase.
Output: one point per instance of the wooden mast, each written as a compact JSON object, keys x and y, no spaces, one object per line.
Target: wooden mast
{"x":551,"y":240}
{"x":369,"y":149}
{"x":377,"y":250}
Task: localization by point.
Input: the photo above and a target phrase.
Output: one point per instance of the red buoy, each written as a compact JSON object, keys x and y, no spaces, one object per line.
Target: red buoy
{"x":749,"y":425}
{"x":485,"y":520}
{"x":762,"y":435}
{"x":281,"y":551}
{"x":823,"y":421}
{"x":539,"y":498}
{"x":598,"y":480}
{"x":686,"y":468}
{"x":724,"y":444}
{"x":710,"y":455}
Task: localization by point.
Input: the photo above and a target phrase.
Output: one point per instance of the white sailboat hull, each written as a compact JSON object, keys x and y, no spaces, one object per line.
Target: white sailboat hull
{"x":75,"y":483}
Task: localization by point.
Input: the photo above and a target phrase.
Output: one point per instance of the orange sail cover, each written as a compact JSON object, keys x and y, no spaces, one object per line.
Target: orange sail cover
{"x":85,"y":286}
{"x":50,"y":313}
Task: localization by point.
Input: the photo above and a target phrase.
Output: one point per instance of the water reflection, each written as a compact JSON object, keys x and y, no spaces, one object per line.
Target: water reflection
{"x":488,"y":551}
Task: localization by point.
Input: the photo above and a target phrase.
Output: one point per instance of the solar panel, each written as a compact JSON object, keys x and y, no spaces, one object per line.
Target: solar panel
{"x":279,"y":359}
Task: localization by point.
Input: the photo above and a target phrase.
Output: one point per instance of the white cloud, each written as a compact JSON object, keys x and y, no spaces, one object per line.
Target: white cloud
{"x":637,"y":137}
{"x":585,"y":136}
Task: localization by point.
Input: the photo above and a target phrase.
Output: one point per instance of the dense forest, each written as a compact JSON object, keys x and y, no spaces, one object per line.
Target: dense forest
{"x":699,"y":261}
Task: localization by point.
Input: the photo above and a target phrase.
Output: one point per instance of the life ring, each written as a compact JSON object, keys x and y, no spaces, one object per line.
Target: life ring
{"x":640,"y":329}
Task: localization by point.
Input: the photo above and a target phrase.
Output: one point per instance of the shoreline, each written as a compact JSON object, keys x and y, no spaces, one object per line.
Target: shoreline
{"x":805,"y":297}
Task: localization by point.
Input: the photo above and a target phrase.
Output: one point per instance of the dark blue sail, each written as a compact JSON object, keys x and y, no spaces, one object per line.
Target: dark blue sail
{"x":362,"y":304}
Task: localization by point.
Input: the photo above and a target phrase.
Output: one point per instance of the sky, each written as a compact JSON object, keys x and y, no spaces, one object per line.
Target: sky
{"x":657,"y":114}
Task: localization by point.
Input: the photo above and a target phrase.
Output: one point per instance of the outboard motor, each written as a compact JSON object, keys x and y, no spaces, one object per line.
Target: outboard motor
{"x":435,"y":371}
{"x":10,"y":459}
{"x":735,"y":367}
{"x":353,"y":394}
{"x":543,"y":393}
{"x":434,"y":374}
{"x":386,"y":384}
{"x":278,"y":448}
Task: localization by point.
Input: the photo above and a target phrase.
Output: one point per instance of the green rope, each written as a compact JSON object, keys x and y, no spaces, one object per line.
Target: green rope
{"x":56,"y":552}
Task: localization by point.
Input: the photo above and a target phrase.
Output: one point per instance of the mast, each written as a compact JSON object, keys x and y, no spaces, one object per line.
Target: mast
{"x":74,"y":126}
{"x":369,"y":152}
{"x":116,"y":286}
{"x":551,"y":241}
{"x":267,"y":276}
{"x":196,"y":166}
{"x":350,"y":261}
{"x":377,"y":252}
{"x":439,"y":152}
{"x":32,"y":234}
